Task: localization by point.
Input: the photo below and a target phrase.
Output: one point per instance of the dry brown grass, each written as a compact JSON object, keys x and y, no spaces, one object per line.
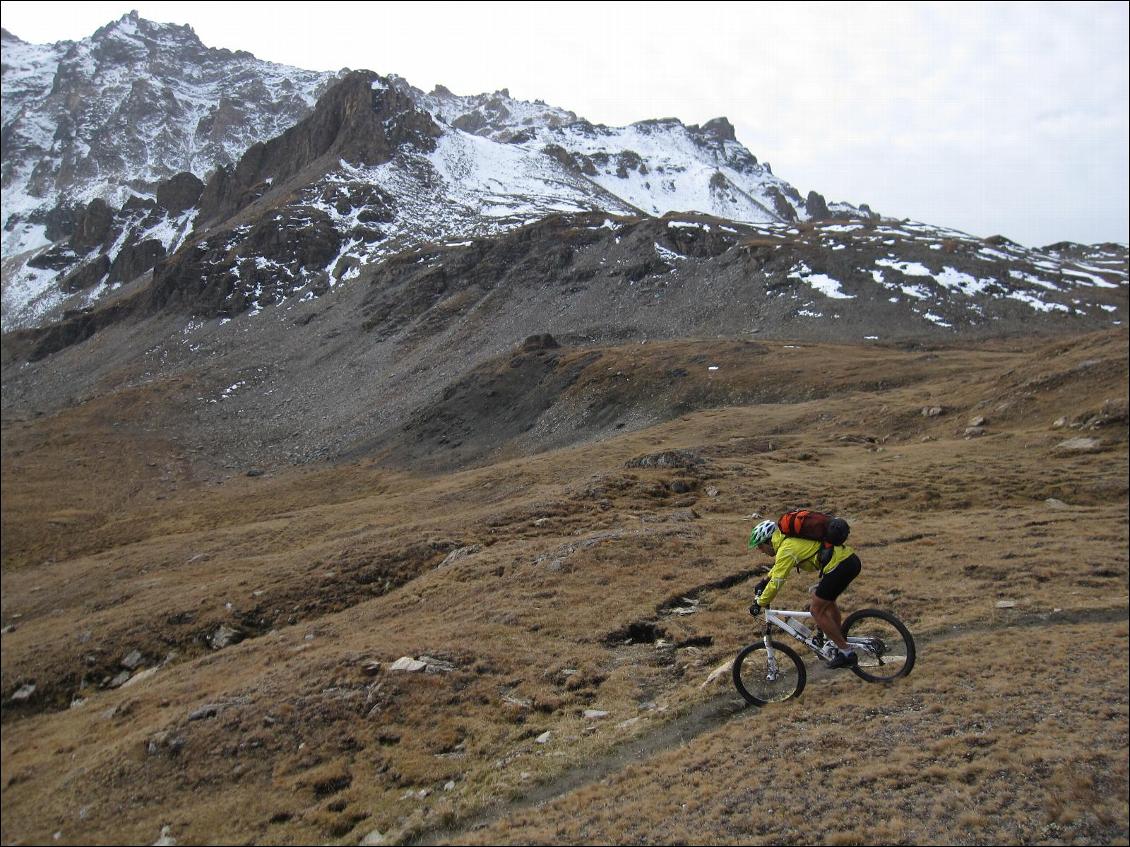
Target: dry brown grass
{"x":1004,"y":733}
{"x":999,"y":736}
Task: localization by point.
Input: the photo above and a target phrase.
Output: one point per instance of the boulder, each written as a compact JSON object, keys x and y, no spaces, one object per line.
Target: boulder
{"x":208,"y":710}
{"x":86,"y":275}
{"x":816,"y":207}
{"x":141,"y":676}
{"x":224,"y":636}
{"x":667,"y":459}
{"x":542,"y":341}
{"x":135,"y":258}
{"x":408,"y":665}
{"x":434,"y":665}
{"x":120,"y":680}
{"x":458,"y":554}
{"x":93,"y":226}
{"x":1080,"y":445}
{"x":24,"y":693}
{"x":60,"y":222}
{"x":179,"y":193}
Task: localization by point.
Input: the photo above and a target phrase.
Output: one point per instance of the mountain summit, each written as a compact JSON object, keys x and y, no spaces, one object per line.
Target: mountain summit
{"x":120,"y":147}
{"x":113,"y":115}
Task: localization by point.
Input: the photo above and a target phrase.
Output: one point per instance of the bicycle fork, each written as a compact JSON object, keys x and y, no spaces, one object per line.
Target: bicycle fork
{"x":772,"y":671}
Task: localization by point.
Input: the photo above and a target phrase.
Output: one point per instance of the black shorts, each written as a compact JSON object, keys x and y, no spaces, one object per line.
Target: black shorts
{"x":832,"y":584}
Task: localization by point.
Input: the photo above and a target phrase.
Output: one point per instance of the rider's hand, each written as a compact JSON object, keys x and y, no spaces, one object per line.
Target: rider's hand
{"x":755,"y":609}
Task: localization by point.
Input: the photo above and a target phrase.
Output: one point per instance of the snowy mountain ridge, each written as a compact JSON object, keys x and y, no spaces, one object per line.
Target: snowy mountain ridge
{"x":110,"y":116}
{"x":658,"y":165}
{"x":92,"y":128}
{"x":379,"y":170}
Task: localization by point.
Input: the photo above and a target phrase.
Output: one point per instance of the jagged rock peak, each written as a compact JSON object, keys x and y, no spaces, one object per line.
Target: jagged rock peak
{"x":132,"y":24}
{"x":363,"y":120}
{"x":116,"y":113}
{"x":721,"y":127}
{"x":495,"y":115}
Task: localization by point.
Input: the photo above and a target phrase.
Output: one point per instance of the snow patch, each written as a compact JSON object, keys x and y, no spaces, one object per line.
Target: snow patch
{"x":905,"y":268}
{"x":821,"y":282}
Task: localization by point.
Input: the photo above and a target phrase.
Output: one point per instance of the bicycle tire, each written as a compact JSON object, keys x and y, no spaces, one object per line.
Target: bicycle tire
{"x":750,"y":674}
{"x":896,"y":653}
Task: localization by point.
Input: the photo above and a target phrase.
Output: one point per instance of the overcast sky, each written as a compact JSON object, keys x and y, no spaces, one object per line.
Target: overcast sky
{"x":991,"y":118}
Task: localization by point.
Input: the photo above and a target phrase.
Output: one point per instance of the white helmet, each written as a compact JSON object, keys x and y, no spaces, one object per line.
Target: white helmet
{"x":762,"y":533}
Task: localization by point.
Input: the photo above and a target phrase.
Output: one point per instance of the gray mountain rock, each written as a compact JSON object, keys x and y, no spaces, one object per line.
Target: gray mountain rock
{"x":359,"y":282}
{"x":115,"y":114}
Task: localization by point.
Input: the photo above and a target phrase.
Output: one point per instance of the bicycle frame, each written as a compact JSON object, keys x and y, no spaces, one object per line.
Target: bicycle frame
{"x":824,"y":648}
{"x":780,"y":619}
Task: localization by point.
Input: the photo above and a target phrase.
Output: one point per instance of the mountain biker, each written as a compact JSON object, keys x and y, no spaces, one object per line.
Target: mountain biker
{"x":835,"y":575}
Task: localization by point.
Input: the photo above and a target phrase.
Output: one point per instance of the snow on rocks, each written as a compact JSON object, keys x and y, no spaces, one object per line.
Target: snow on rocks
{"x":821,"y":282}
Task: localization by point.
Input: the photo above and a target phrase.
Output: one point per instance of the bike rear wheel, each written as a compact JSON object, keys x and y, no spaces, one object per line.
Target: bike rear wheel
{"x":882,"y":643}
{"x":762,"y":679}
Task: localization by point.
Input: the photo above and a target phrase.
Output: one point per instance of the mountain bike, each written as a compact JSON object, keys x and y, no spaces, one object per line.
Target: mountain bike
{"x":771,"y":672}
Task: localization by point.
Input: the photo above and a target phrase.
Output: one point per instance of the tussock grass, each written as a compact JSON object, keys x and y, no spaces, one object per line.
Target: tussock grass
{"x":1027,"y":759}
{"x":1012,"y":728}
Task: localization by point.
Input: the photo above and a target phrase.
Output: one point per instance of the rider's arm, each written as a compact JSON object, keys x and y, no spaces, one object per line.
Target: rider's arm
{"x":783,"y":563}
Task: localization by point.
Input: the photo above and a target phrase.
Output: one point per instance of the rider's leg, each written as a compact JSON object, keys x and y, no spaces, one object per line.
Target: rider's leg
{"x":835,"y":610}
{"x":823,"y":606}
{"x":827,"y":617}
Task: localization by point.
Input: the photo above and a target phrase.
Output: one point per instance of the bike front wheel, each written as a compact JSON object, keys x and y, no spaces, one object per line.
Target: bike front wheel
{"x":883,"y":644}
{"x":762,"y":678}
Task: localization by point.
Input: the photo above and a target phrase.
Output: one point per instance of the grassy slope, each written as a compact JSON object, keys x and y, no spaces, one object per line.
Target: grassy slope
{"x":562,"y":553}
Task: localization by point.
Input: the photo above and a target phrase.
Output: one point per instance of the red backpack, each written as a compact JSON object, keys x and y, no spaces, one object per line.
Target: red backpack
{"x":815,"y":526}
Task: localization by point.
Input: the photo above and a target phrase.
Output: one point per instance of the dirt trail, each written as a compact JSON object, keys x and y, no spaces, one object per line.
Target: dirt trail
{"x":704,"y":717}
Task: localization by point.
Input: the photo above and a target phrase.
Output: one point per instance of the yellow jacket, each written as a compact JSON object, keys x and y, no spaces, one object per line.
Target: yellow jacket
{"x":799,"y":553}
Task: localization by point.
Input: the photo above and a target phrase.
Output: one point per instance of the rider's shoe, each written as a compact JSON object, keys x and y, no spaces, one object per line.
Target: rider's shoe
{"x":844,"y":660}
